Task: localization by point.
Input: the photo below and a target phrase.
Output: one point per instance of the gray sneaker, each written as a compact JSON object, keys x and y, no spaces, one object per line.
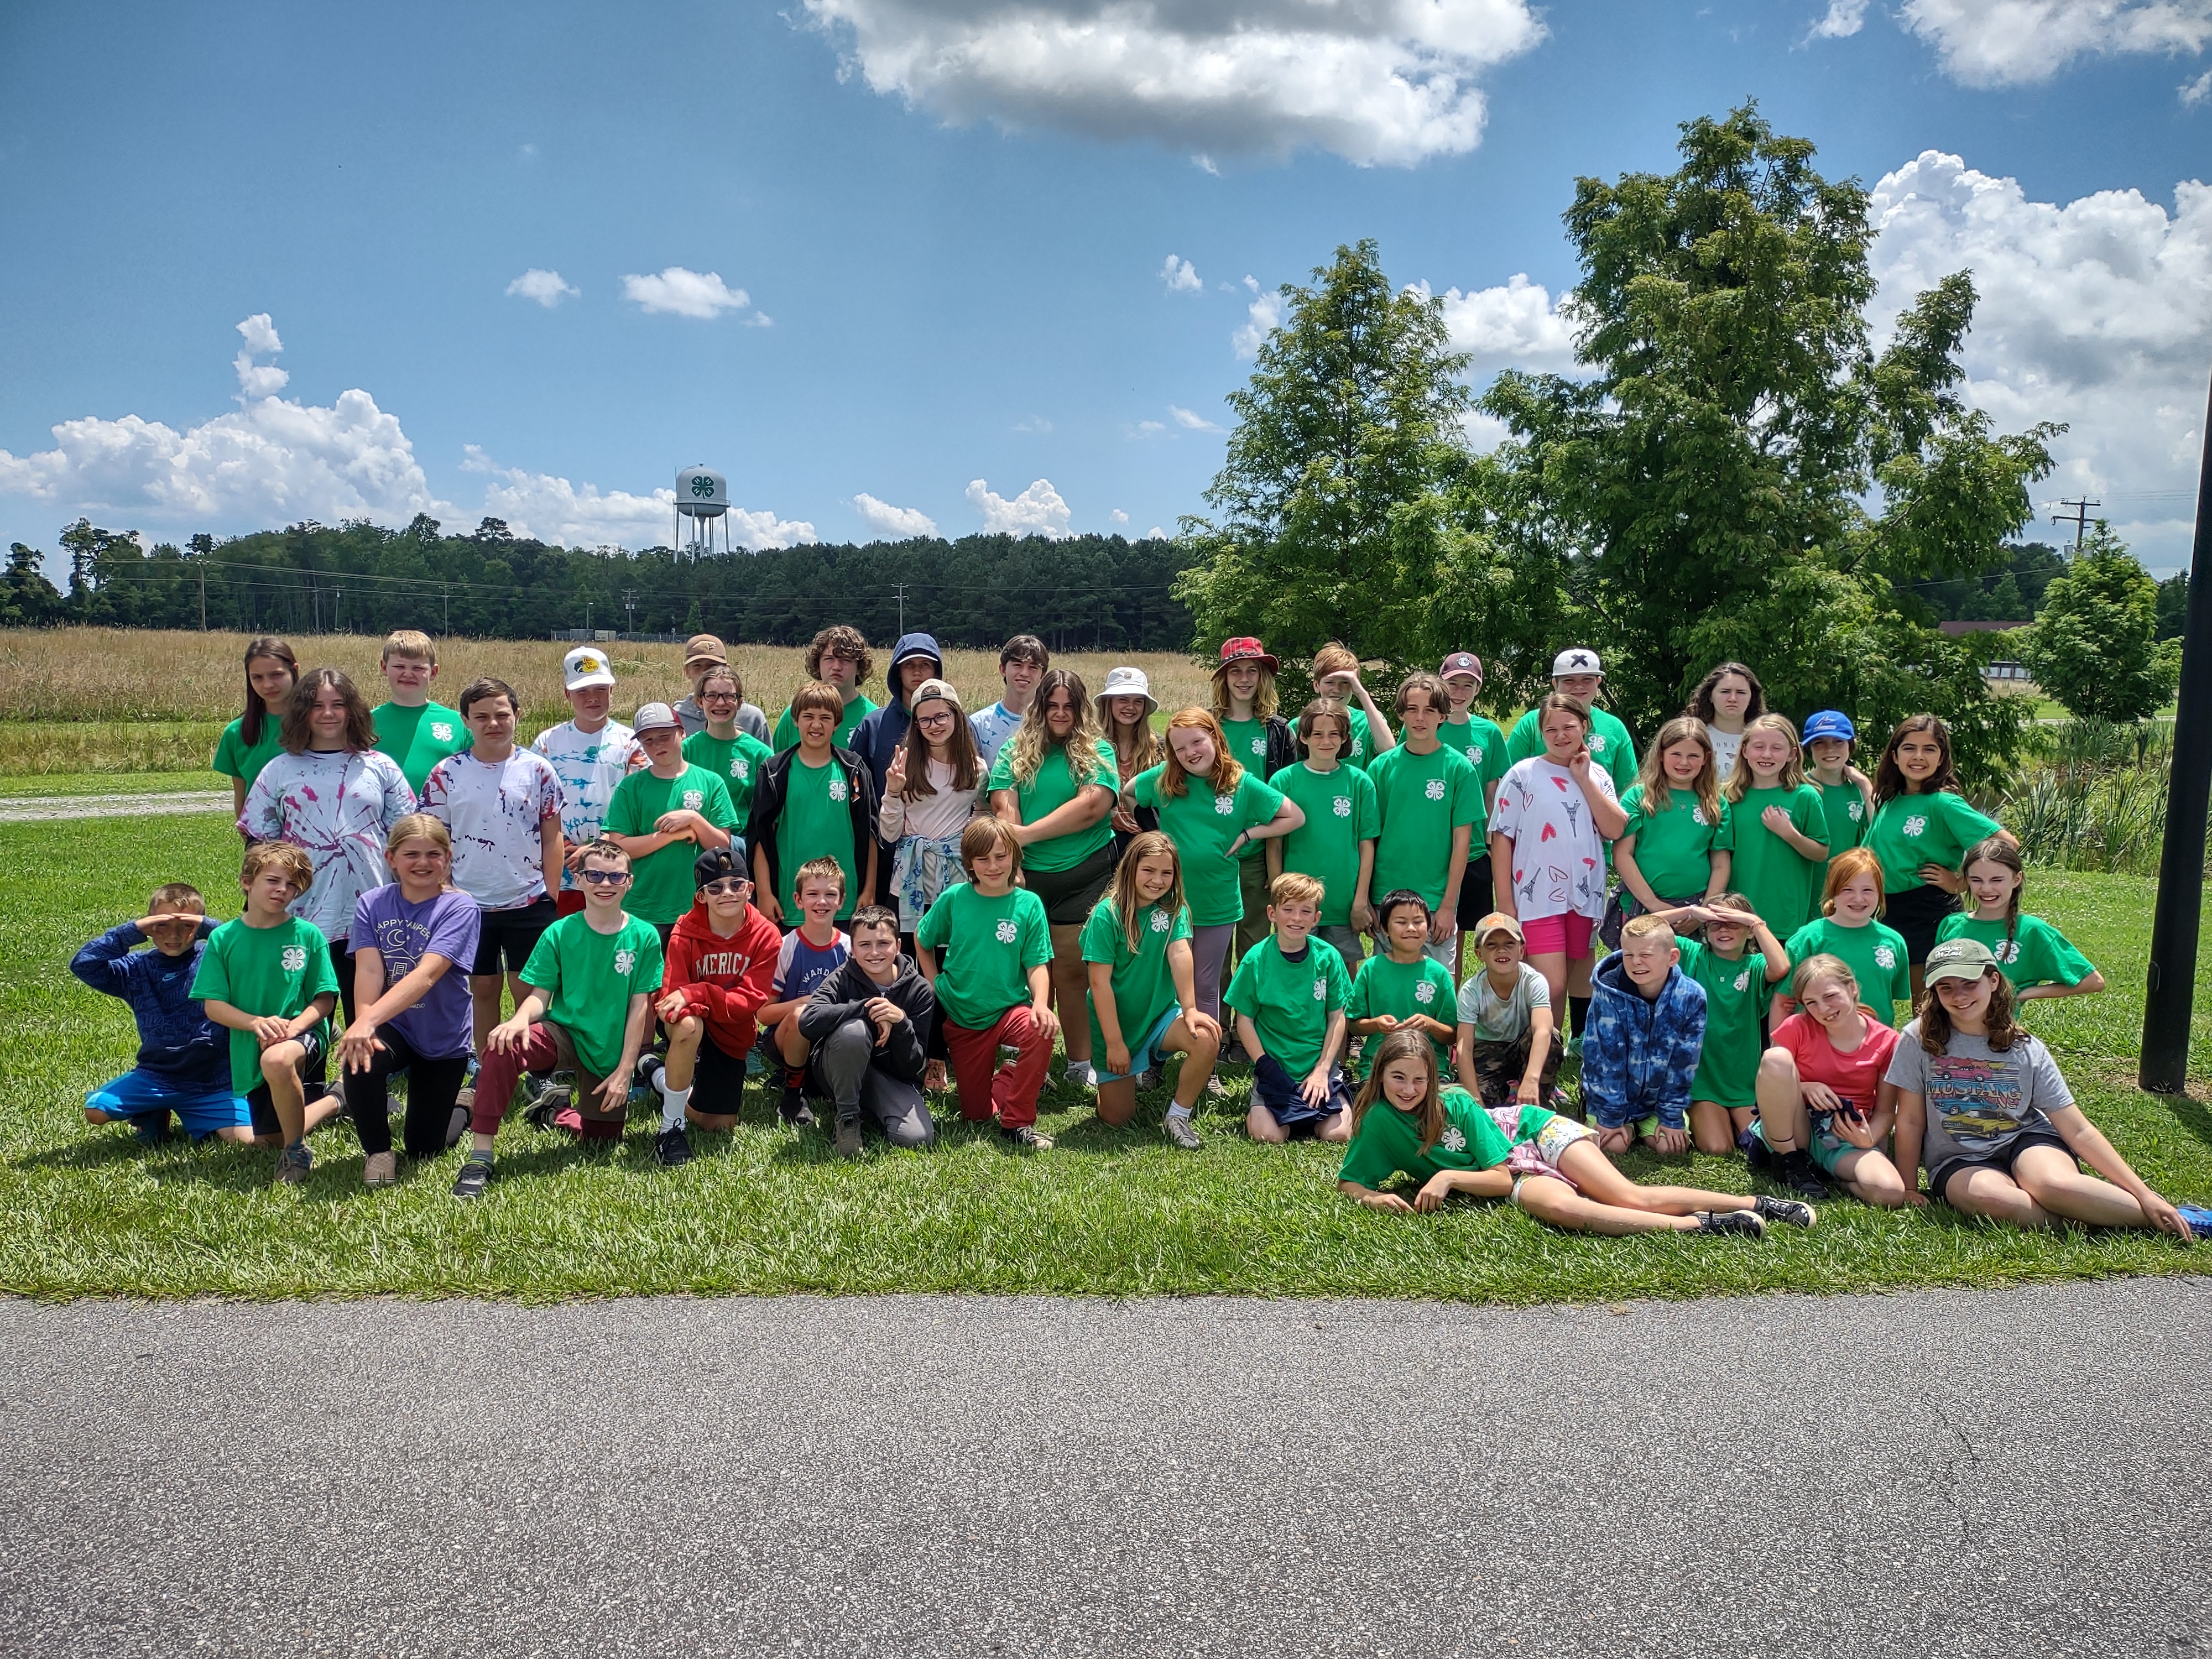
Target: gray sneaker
{"x":1181,"y":1132}
{"x":293,"y":1164}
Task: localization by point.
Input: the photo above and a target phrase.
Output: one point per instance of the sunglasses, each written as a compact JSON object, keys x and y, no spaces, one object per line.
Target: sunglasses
{"x":603,"y":878}
{"x":726,"y":884}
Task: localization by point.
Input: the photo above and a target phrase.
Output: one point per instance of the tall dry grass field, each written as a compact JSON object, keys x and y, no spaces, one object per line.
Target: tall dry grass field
{"x":129,"y":699}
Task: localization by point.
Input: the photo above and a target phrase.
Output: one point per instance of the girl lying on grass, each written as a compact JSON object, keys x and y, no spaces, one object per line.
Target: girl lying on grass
{"x":1403,"y":1122}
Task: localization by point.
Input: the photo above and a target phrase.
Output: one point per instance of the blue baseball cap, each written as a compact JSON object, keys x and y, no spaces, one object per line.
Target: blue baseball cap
{"x":1828,"y":723}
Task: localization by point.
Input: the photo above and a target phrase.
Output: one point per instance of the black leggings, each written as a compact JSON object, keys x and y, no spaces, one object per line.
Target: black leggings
{"x":341,"y":965}
{"x":432,"y":1086}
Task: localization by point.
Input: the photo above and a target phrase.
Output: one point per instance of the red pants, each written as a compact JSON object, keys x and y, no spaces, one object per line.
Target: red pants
{"x":547,"y":1049}
{"x":985,"y":1086}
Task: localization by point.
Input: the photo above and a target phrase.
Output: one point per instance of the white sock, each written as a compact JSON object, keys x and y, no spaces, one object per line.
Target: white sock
{"x":1176,"y":1108}
{"x":672,"y":1103}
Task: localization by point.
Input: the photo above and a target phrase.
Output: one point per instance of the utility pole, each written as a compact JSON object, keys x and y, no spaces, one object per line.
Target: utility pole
{"x":629,"y":607}
{"x":2173,"y":974}
{"x":901,"y":605}
{"x":337,"y":608}
{"x":2078,"y":518}
{"x":445,"y":593}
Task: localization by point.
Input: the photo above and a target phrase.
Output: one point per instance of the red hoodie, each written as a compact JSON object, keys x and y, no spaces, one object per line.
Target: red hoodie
{"x":726,"y":982}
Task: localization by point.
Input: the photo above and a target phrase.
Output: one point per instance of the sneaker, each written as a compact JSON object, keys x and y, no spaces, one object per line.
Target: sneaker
{"x":649,"y":1068}
{"x":475,"y":1176}
{"x":1789,"y":1211}
{"x":151,"y":1128}
{"x":1082,"y":1074}
{"x":2199,"y":1220}
{"x":849,"y":1137}
{"x":794,"y":1110}
{"x":1027,"y":1138}
{"x":552,"y":1099}
{"x":672,"y":1147}
{"x":1150,"y":1077}
{"x":934,"y":1079}
{"x":380,"y":1169}
{"x":1180,"y":1131}
{"x":1801,"y":1176}
{"x":338,"y":1091}
{"x":457,"y":1125}
{"x":1744,"y":1222}
{"x":1216,"y":1089}
{"x":293,"y":1164}
{"x":1232,"y":1053}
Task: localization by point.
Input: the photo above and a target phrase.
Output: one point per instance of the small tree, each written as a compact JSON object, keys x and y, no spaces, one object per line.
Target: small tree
{"x":2095,"y":647}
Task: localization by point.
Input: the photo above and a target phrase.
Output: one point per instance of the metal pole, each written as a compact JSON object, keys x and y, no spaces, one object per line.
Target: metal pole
{"x":2189,"y":791}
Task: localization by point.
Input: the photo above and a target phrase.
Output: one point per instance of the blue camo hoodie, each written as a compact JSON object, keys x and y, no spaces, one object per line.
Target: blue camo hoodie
{"x":176,"y":1039}
{"x":1640,"y":1053}
{"x":878,"y":735}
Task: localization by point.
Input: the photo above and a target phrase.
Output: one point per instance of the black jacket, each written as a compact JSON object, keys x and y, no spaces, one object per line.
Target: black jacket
{"x":845,"y":995}
{"x":769,"y":791}
{"x":1282,"y":745}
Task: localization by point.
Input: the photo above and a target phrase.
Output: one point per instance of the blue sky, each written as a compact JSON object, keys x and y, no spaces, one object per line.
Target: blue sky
{"x":938,"y":232}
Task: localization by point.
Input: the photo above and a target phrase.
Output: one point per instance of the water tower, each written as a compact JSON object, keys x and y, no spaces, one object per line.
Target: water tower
{"x":702,"y":496}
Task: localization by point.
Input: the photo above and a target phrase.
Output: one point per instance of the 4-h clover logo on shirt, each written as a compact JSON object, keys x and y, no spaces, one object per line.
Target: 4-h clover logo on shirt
{"x":625,"y":959}
{"x":1697,"y":817}
{"x":694,"y":800}
{"x":1452,"y":1139}
{"x":1597,"y":742}
{"x":1884,"y":956}
{"x":836,"y":789}
{"x":2008,"y":952}
{"x":1434,"y":788}
{"x":741,"y":767}
{"x":1321,"y":990}
{"x":1858,"y":811}
{"x":1743,"y":980}
{"x":1223,"y":805}
{"x":1425,"y":991}
{"x":1006,"y":930}
{"x":295,"y":959}
{"x":1159,"y":919}
{"x":1342,"y":805}
{"x":442,"y":729}
{"x":1474,"y":754}
{"x":1260,"y":745}
{"x":1915,"y":823}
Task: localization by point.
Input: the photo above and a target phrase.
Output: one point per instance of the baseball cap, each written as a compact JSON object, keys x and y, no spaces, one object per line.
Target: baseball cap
{"x":1244,"y":648}
{"x":935,"y":692}
{"x":1498,"y":922}
{"x":717,"y":862}
{"x":1461,"y":662}
{"x":1828,"y":723}
{"x":655,"y":717}
{"x":1958,"y":958}
{"x":585,"y":665}
{"x":1574,"y":659}
{"x":704,"y":647}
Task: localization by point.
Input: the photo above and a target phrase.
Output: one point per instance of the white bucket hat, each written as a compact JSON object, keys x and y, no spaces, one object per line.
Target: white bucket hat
{"x":1129,"y":682}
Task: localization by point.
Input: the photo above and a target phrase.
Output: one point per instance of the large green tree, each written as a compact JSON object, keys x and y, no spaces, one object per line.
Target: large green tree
{"x":2094,"y":646}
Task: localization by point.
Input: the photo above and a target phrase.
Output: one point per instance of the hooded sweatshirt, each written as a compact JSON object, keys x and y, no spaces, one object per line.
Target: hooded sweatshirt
{"x":176,"y":1039}
{"x":845,"y":995}
{"x":878,"y":735}
{"x":1640,"y":1053}
{"x":726,"y":982}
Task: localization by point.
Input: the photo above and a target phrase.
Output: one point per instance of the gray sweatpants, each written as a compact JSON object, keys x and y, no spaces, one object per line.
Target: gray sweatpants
{"x":845,"y":1067}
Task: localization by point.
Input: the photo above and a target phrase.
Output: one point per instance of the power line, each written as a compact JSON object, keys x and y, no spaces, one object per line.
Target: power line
{"x":2078,"y":518}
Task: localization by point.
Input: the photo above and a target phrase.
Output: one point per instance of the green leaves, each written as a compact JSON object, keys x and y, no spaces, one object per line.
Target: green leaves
{"x":2094,"y":645}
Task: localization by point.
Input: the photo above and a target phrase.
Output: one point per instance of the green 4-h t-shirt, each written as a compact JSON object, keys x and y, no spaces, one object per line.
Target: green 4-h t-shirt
{"x":1783,"y":885}
{"x":2037,"y":953}
{"x":268,"y":972}
{"x":1736,"y":995}
{"x":1675,"y":843}
{"x":1420,"y":800}
{"x":418,"y":739}
{"x":1361,"y":749}
{"x":1248,"y":746}
{"x":235,"y":758}
{"x":1479,"y":740}
{"x":1291,"y":1001}
{"x":786,"y":729}
{"x":1610,"y":746}
{"x":1144,"y":986}
{"x":817,"y":824}
{"x":589,"y":978}
{"x":986,"y":948}
{"x":1875,"y":954}
{"x":1848,"y":819}
{"x":1402,"y":989}
{"x":1052,"y":788}
{"x":1340,"y":813}
{"x":661,"y":888}
{"x":736,"y":760}
{"x":1203,"y":825}
{"x":1911,"y":831}
{"x":1388,"y":1141}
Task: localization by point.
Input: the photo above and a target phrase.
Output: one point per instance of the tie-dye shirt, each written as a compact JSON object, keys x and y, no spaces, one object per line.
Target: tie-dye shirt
{"x":337,"y":806}
{"x":589,"y":764}
{"x":495,"y":810}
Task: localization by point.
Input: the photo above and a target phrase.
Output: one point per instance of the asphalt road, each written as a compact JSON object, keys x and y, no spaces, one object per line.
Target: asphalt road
{"x":1934,"y":1473}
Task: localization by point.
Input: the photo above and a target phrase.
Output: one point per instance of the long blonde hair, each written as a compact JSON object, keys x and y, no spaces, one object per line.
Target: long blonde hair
{"x":1227,"y":773}
{"x":1033,"y":740}
{"x":1741,"y":782}
{"x":1263,"y":694}
{"x":1659,"y":789}
{"x":1145,"y":750}
{"x":1128,"y":908}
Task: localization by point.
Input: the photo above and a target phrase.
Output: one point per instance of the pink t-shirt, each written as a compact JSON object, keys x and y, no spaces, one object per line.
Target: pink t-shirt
{"x":1855,"y":1077}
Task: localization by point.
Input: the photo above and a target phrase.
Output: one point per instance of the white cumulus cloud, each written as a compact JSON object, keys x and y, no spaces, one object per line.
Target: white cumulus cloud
{"x":1377,"y":81}
{"x":1516,"y":325}
{"x":2096,"y":312}
{"x":552,"y":509}
{"x":260,"y":379}
{"x":1119,"y":516}
{"x":1190,"y":420}
{"x":2194,"y":93}
{"x":1996,"y":43}
{"x":1182,"y":276}
{"x":1261,"y":318}
{"x":1037,"y":511}
{"x":543,"y":286}
{"x":684,"y":293}
{"x":900,"y":521}
{"x":1845,"y":18}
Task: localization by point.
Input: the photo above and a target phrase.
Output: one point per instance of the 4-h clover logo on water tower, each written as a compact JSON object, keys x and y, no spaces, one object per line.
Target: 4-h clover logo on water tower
{"x":702,"y":496}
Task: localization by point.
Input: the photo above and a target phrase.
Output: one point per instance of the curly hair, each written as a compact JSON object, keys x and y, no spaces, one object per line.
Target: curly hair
{"x":1227,"y":773}
{"x":840,"y":641}
{"x":1033,"y":739}
{"x":1998,"y":1030}
{"x":297,"y":735}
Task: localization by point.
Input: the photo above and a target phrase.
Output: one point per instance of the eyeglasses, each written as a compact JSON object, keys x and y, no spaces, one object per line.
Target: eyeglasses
{"x":940,"y":719}
{"x":718,"y":697}
{"x":726,"y":884}
{"x":603,"y":878}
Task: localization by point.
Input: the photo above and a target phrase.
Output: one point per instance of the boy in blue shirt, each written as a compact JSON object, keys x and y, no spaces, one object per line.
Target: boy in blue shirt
{"x":184,"y":1057}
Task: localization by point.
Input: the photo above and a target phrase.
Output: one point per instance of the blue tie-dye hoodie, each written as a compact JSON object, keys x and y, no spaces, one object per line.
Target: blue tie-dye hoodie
{"x":1639,"y":1053}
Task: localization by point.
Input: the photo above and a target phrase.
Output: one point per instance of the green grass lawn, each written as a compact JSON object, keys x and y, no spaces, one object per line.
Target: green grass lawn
{"x":87,"y":1212}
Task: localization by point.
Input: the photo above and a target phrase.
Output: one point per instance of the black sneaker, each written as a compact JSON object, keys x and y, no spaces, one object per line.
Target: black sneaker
{"x":650,"y":1067}
{"x":1027,"y":1138}
{"x":151,"y":1128}
{"x":672,"y":1147}
{"x":849,"y":1137}
{"x":794,"y":1110}
{"x":1801,"y":1176}
{"x":1789,"y":1211}
{"x":1744,"y":1223}
{"x":475,"y":1176}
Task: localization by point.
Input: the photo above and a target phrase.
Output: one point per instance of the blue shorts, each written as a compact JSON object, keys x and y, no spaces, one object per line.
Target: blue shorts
{"x":1148,"y":1056}
{"x":202,"y":1107}
{"x":1274,"y":1087}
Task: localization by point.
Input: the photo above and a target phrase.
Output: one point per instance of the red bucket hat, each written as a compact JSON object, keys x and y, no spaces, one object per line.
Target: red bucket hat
{"x":1244,"y":649}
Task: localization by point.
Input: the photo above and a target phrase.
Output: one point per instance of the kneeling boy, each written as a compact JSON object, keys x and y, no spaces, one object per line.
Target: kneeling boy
{"x":184,"y":1057}
{"x":590,"y":983}
{"x":869,"y":1024}
{"x":1288,"y":996}
{"x":1509,"y":1050}
{"x":721,"y":961}
{"x":268,"y":976}
{"x":1640,"y":1054}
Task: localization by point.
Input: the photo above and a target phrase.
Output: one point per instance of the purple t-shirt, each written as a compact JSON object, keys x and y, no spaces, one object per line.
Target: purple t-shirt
{"x":440,"y":1026}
